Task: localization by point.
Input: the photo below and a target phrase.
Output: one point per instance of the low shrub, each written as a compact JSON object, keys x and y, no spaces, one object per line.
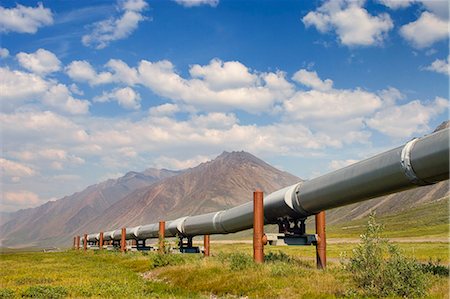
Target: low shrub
{"x":162,"y":260}
{"x":380,"y":269}
{"x":435,"y":268}
{"x":237,"y":260}
{"x":279,"y":256}
{"x":6,"y":293}
{"x":49,"y":292}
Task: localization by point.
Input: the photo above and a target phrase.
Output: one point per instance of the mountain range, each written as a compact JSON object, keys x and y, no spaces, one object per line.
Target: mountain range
{"x":152,"y":195}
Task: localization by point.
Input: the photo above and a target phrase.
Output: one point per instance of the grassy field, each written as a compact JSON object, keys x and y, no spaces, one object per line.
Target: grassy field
{"x":426,"y":221}
{"x":225,"y":274}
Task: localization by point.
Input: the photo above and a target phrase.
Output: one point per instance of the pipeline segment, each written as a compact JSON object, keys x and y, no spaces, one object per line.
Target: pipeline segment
{"x":422,"y":161}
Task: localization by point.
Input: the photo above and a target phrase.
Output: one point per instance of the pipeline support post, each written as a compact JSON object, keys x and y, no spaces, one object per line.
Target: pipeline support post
{"x":100,"y":241}
{"x":74,"y":242}
{"x":123,"y":241}
{"x":85,"y":242}
{"x":259,"y":238}
{"x":206,"y":245}
{"x":162,"y":230}
{"x":321,"y":245}
{"x":78,"y":243}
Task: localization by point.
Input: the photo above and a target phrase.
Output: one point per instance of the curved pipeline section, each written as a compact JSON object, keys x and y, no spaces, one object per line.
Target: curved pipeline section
{"x":419,"y":162}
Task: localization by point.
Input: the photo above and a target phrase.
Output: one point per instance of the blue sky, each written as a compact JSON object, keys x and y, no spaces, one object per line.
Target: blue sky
{"x":93,"y":89}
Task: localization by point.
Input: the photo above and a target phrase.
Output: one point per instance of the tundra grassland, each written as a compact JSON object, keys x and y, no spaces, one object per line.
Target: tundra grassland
{"x":289,"y":272}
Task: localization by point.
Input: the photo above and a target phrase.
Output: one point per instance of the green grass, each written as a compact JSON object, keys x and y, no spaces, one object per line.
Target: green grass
{"x":428,"y":220}
{"x":230,"y":273}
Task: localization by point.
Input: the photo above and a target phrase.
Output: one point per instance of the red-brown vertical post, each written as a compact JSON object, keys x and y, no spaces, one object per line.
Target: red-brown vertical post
{"x":123,"y":241}
{"x":321,"y":246}
{"x":74,"y":242}
{"x":162,"y":230}
{"x":258,"y":227}
{"x":85,"y":242}
{"x":78,"y":242}
{"x":206,"y":245}
{"x":100,"y":241}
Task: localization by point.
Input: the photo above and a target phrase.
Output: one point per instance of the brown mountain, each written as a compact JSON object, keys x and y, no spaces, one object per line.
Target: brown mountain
{"x":224,"y":182}
{"x":46,"y":224}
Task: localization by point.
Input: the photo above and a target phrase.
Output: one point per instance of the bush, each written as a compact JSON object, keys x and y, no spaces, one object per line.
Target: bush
{"x":278,"y":257}
{"x":162,"y":260}
{"x":435,"y":268}
{"x":237,"y":260}
{"x":380,"y":269}
{"x":6,"y":293}
{"x":49,"y":292}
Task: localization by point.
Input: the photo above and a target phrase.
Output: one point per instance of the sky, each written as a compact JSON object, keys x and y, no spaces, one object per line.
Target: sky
{"x":90,"y":90}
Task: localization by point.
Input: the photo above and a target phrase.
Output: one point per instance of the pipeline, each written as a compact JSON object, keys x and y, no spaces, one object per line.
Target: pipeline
{"x":421,"y":161}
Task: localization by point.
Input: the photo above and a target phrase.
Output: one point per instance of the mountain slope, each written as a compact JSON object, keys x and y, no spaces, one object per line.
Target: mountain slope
{"x":47,"y":223}
{"x":227,"y":181}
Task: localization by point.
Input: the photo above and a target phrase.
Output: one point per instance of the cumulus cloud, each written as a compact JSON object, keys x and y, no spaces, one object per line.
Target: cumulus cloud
{"x":338,"y":164}
{"x":4,"y":52}
{"x":125,"y":97}
{"x":174,"y":163}
{"x":40,"y":62}
{"x":215,"y":86}
{"x":106,"y":31}
{"x":220,"y":75}
{"x":82,"y":71}
{"x":192,"y":3}
{"x":164,"y":110}
{"x":333,"y":104}
{"x":396,"y":4}
{"x":14,"y":169}
{"x":59,"y":96}
{"x":311,"y":79}
{"x":24,"y":19}
{"x":405,"y":120}
{"x":14,"y":200}
{"x":20,"y":87}
{"x":425,"y":31}
{"x":351,"y":22}
{"x":440,"y":66}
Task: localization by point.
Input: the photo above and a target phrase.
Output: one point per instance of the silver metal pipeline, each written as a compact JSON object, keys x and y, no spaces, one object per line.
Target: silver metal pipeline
{"x":421,"y":161}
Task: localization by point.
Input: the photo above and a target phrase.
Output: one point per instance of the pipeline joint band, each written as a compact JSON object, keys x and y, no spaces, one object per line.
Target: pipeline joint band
{"x":407,"y":166}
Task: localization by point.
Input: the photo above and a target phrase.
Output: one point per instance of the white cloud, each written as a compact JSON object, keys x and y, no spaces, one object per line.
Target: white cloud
{"x":122,"y":72}
{"x":405,"y":120}
{"x":333,"y":104}
{"x":338,"y":164}
{"x":40,"y":62}
{"x":112,"y":29}
{"x":20,"y":87}
{"x":17,"y":87}
{"x":59,"y":96}
{"x":19,"y":200}
{"x":440,"y":66}
{"x":311,"y":79}
{"x":82,"y":71}
{"x":4,"y":53}
{"x":125,"y":97}
{"x":425,"y":31}
{"x":396,"y":4}
{"x":192,"y":3}
{"x":24,"y":19}
{"x":220,"y":75}
{"x":15,"y":169}
{"x":211,"y":92}
{"x":173,"y":163}
{"x":164,"y":110}
{"x":438,"y":7}
{"x":352,"y":23}
{"x":34,"y":127}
